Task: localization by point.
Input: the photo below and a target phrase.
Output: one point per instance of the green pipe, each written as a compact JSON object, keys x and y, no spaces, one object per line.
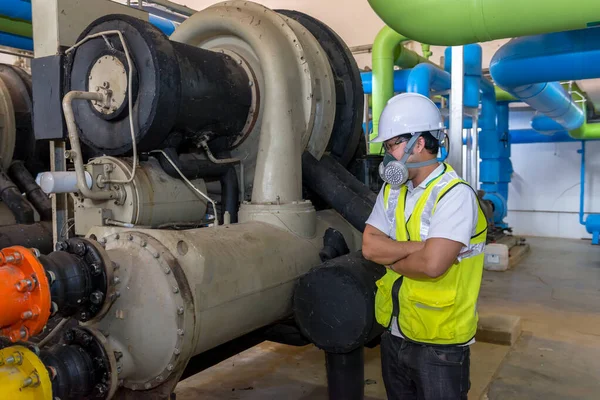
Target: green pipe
{"x":587,"y":130}
{"x":502,"y":95}
{"x":387,"y":52}
{"x":458,"y":22}
{"x":16,"y":27}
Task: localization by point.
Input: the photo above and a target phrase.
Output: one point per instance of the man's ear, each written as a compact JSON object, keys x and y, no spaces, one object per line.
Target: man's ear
{"x":419,"y":146}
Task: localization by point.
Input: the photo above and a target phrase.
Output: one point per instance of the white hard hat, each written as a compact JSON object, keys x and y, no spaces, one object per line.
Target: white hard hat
{"x":409,"y":113}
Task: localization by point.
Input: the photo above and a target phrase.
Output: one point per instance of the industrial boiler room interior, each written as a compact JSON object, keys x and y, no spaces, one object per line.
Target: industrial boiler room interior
{"x":191,"y":190}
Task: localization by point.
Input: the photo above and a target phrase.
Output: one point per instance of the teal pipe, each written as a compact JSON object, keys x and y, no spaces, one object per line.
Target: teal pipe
{"x":458,"y":22}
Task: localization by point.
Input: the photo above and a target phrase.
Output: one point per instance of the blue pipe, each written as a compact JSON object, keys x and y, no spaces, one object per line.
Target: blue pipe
{"x":15,"y":41}
{"x":546,"y":125}
{"x":165,"y":25}
{"x":526,"y":136}
{"x":530,"y":67}
{"x":425,"y":78}
{"x":582,"y":183}
{"x":16,"y":9}
{"x":400,"y":78}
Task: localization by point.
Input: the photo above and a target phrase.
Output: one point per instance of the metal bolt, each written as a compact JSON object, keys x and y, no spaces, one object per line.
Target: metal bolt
{"x":80,"y":248}
{"x":96,"y":297}
{"x":23,"y":333}
{"x":115,"y":295}
{"x":250,"y":83}
{"x":156,"y":255}
{"x":96,"y":270}
{"x":116,"y":280}
{"x":240,"y":62}
{"x":24,"y":285}
{"x":119,"y":369}
{"x":180,"y":311}
{"x":170,"y":367}
{"x":27,"y":315}
{"x":83,"y":316}
{"x":115,"y":266}
{"x":177,"y":352}
{"x":51,"y":276}
{"x":61,"y":246}
{"x":175,"y":289}
{"x":130,"y":237}
{"x":16,"y":358}
{"x":118,"y":355}
{"x":101,"y":389}
{"x":103,"y":241}
{"x":148,"y":385}
{"x":31,"y":380}
{"x":180,"y":332}
{"x":167,"y":271}
{"x":144,"y":243}
{"x":35,"y":252}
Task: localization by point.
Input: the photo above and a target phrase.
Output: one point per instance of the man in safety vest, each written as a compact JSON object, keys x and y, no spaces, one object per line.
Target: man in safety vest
{"x":429,"y":231}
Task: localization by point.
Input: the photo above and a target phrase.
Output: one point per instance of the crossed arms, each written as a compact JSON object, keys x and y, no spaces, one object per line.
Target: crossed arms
{"x":416,"y":260}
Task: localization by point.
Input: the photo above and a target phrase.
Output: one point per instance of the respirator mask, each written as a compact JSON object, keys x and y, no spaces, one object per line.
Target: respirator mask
{"x":395,"y":172}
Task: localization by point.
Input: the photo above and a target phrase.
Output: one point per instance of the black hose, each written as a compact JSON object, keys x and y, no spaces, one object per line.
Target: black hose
{"x":355,"y":208}
{"x":348,"y":179}
{"x":38,"y":235}
{"x":206,"y":169}
{"x":26,"y":184}
{"x":11,"y":196}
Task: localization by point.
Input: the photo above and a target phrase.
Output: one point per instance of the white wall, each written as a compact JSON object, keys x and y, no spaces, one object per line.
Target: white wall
{"x":544,"y":194}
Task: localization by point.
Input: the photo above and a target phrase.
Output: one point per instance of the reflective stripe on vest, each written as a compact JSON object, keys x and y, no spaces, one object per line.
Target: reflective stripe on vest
{"x":441,"y":310}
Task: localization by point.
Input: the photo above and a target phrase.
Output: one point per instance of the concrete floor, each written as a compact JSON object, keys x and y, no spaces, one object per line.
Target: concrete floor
{"x":555,"y":291}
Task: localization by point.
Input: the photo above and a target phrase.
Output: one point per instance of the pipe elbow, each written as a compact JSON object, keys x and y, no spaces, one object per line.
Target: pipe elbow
{"x":427,"y":77}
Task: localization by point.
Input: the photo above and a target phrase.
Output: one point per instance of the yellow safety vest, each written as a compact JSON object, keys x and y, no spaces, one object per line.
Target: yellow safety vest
{"x":440,"y":310}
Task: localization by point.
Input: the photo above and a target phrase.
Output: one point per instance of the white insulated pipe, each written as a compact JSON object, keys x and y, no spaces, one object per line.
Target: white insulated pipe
{"x":287,"y":94}
{"x":61,"y":181}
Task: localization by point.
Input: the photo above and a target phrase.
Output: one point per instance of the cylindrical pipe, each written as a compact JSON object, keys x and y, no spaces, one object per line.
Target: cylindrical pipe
{"x":425,"y":77}
{"x":400,"y":77}
{"x":346,"y":375}
{"x":26,"y":184}
{"x":348,"y":179}
{"x":17,"y":42}
{"x":16,"y":27}
{"x":230,"y":194}
{"x":76,"y":153}
{"x":166,"y":26}
{"x":11,"y":196}
{"x":353,"y":207}
{"x":38,"y":236}
{"x":60,"y":181}
{"x":16,"y":9}
{"x":487,"y":19}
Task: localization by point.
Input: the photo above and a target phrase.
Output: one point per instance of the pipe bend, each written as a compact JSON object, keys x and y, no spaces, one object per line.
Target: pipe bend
{"x":426,"y":77}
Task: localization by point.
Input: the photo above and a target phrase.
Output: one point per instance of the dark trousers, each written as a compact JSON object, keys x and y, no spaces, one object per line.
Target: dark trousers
{"x":416,"y":371}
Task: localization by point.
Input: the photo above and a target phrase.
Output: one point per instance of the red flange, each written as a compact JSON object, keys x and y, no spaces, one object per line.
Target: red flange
{"x":25,"y":301}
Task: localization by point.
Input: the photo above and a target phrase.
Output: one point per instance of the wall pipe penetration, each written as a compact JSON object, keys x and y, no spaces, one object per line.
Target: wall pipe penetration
{"x":16,"y":30}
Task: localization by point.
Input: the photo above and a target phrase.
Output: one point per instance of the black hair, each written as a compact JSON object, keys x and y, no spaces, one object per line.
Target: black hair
{"x":432,"y":145}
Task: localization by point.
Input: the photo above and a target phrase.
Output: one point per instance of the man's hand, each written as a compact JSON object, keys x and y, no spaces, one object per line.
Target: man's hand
{"x":432,"y":261}
{"x":379,"y":248}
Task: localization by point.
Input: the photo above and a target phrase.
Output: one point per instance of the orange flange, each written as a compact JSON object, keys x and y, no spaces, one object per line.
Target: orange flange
{"x":25,"y":300}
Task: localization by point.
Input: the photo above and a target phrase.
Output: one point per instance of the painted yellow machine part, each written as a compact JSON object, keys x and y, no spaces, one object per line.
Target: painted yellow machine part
{"x":23,"y":376}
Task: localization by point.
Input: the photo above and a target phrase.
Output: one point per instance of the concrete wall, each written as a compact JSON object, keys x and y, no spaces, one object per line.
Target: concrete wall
{"x":544,"y":195}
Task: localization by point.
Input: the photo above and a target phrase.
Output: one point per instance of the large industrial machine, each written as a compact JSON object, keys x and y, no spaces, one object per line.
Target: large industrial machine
{"x":186,"y":158}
